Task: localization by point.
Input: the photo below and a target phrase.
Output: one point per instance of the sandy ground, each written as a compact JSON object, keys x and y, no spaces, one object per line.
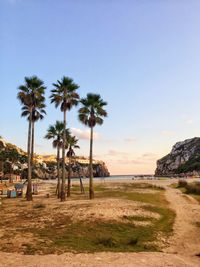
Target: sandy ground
{"x":108,"y":209}
{"x":182,"y":249}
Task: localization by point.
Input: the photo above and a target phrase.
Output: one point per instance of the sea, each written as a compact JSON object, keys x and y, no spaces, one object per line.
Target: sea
{"x":114,"y":177}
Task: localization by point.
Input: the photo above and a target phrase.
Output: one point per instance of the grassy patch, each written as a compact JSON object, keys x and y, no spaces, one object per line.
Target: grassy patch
{"x":138,"y":218}
{"x":57,"y":233}
{"x":192,"y":189}
{"x":197,"y":198}
{"x":129,"y":186}
{"x":100,"y":236}
{"x":112,"y":236}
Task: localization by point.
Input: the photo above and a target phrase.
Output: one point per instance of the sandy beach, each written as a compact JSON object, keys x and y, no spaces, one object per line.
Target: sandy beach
{"x":181,"y":248}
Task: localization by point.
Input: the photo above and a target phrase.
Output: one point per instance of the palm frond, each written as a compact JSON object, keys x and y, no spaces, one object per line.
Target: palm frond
{"x":92,"y":110}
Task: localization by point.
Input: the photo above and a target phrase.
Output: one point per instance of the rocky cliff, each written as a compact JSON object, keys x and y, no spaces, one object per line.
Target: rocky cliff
{"x":14,"y":160}
{"x":184,"y":158}
{"x":48,"y":170}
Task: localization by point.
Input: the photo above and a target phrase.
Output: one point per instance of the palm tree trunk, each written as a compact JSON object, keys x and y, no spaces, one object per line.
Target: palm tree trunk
{"x":91,"y":189}
{"x":11,"y":172}
{"x":69,"y":179}
{"x":2,"y":171}
{"x":29,"y":185}
{"x":32,"y":143}
{"x":58,"y":172}
{"x":63,"y":189}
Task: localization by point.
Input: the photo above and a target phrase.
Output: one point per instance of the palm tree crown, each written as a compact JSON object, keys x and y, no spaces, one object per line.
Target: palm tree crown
{"x":31,"y":96}
{"x":34,"y":113}
{"x":64,"y":94}
{"x":32,"y":91}
{"x":55,"y":132}
{"x":71,"y":143}
{"x":92,"y":111}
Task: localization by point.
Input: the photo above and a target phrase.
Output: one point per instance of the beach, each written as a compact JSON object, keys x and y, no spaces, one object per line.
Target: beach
{"x":180,"y":249}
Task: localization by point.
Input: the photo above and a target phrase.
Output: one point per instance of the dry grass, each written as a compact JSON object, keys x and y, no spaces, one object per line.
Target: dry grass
{"x":130,"y":221}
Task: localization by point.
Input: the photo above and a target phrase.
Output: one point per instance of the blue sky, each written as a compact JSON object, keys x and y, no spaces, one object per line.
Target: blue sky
{"x":142,"y":56}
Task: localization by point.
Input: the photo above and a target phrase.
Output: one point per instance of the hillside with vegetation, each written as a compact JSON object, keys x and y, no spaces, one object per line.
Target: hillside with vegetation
{"x":14,"y":160}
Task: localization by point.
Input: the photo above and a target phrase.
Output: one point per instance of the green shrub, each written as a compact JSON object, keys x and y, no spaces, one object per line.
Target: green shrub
{"x":193,"y":188}
{"x":133,"y":241}
{"x":182,"y":183}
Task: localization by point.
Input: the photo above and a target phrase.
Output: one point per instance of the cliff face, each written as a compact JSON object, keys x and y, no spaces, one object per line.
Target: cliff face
{"x":48,"y":170}
{"x":184,"y":158}
{"x":44,"y":166}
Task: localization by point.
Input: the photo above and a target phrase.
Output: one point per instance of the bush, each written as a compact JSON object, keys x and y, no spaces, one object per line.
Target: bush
{"x":182,"y":183}
{"x":193,"y":188}
{"x":133,"y":241}
{"x":39,"y":206}
{"x":107,"y":242}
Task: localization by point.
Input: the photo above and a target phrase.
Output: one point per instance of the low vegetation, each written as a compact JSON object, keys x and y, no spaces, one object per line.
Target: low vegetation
{"x":192,"y":164}
{"x":192,"y":189}
{"x":45,"y":226}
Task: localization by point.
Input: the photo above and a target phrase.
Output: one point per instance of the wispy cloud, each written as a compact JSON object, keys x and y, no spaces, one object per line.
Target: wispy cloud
{"x":84,"y":134}
{"x":121,"y":157}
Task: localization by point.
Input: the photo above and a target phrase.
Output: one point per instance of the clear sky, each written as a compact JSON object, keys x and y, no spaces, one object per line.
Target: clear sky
{"x":142,"y":56}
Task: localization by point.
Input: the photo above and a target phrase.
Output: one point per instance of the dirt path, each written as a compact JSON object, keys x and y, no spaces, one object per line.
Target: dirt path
{"x":183,"y":245}
{"x":103,"y":259}
{"x":186,"y":238}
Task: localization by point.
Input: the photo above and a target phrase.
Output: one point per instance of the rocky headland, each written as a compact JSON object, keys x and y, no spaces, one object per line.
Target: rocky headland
{"x":14,"y":160}
{"x":184,"y":158}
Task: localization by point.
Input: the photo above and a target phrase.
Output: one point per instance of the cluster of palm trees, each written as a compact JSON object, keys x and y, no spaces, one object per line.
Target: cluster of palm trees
{"x":64,"y":95}
{"x":56,"y":132}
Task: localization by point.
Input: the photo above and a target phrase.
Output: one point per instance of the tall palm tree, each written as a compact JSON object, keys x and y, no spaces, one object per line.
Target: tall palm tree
{"x":90,"y":114}
{"x":31,"y":96}
{"x":64,"y":95}
{"x":37,"y":113}
{"x":55,"y":132}
{"x":71,"y":144}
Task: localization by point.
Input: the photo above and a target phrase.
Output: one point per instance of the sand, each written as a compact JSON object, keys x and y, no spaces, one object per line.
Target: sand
{"x":181,"y":250}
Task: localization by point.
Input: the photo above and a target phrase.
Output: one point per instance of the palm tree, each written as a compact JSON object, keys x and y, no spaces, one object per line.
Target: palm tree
{"x":55,"y":132}
{"x":90,"y":114}
{"x":31,"y":96}
{"x":38,"y":113}
{"x":64,"y":95}
{"x":72,"y":144}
